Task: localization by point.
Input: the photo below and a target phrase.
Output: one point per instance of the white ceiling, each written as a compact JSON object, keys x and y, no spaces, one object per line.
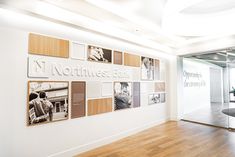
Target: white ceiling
{"x":164,"y":23}
{"x":209,"y":6}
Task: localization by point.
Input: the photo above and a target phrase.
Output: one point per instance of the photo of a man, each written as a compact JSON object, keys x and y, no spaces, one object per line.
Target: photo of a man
{"x":48,"y":101}
{"x":154,"y":99}
{"x":122,"y":95}
{"x":99,"y":54}
{"x":38,"y":111}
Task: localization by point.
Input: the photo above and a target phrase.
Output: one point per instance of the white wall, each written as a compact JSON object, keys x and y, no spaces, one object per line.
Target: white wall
{"x":69,"y":137}
{"x":216,"y":85}
{"x":196,"y":97}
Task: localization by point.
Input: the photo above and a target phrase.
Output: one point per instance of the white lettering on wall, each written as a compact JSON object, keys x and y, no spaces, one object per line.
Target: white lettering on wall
{"x":39,"y":67}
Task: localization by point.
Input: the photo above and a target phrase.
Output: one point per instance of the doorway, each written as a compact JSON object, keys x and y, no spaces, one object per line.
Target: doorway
{"x":209,"y":88}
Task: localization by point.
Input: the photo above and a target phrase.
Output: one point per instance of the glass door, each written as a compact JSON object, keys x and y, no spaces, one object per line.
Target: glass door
{"x":231,"y":83}
{"x":206,"y":97}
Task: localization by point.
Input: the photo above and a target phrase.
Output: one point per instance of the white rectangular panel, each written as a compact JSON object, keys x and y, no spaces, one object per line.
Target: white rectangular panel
{"x":38,"y":67}
{"x":147,"y":87}
{"x":107,"y":89}
{"x":77,"y":51}
{"x":93,"y":89}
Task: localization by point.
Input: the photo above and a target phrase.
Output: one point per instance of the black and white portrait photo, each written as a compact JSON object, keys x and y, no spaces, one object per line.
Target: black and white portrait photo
{"x":122,"y":95}
{"x":154,"y":99}
{"x":99,"y":54}
{"x":147,"y":68}
{"x":47,"y":101}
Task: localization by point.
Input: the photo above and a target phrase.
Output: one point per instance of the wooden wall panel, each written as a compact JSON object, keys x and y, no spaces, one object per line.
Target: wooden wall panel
{"x":156,"y":69}
{"x":98,"y":106}
{"x":131,"y":60}
{"x":48,"y":46}
{"x":117,"y":57}
{"x":159,"y":86}
{"x":78,"y":103}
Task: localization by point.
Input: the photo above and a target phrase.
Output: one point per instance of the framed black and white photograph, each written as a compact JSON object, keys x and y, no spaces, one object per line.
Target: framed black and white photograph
{"x":163,"y":97}
{"x":122,"y":95}
{"x":99,"y":54}
{"x":154,"y":98}
{"x":47,"y":101}
{"x":147,"y":68}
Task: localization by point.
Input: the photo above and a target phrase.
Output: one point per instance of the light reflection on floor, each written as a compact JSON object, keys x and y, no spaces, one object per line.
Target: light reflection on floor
{"x":213,"y":115}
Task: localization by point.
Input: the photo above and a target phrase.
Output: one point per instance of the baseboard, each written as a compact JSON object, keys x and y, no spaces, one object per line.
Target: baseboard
{"x":98,"y":143}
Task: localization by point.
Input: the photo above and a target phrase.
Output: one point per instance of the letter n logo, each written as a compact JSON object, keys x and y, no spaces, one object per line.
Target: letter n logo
{"x":37,"y":67}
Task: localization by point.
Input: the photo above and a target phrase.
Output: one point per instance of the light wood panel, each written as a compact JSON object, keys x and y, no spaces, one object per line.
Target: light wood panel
{"x":78,"y":103}
{"x":159,"y":86}
{"x":98,"y":106}
{"x":117,"y":57}
{"x":131,"y":60}
{"x":172,"y":139}
{"x":156,"y":69}
{"x":48,"y":46}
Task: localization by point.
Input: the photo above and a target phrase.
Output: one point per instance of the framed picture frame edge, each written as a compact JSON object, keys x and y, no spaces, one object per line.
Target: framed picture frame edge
{"x":27,"y":106}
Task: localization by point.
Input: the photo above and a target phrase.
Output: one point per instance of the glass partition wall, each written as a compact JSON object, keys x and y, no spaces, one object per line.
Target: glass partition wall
{"x":209,"y":88}
{"x":231,"y":86}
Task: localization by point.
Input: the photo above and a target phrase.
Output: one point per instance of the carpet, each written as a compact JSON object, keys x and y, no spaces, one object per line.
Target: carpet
{"x":229,"y":111}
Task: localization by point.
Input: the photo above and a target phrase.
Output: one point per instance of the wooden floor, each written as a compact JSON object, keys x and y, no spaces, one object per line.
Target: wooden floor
{"x":172,"y":139}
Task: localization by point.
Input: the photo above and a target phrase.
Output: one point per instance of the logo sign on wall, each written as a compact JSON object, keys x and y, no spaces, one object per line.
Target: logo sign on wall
{"x":48,"y":67}
{"x":38,"y":68}
{"x":193,"y":79}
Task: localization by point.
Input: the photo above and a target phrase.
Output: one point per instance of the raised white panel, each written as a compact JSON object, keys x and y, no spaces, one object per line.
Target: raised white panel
{"x":93,"y":89}
{"x":38,"y":67}
{"x":136,"y":74}
{"x":162,"y":70}
{"x":144,"y":99}
{"x":147,"y":87}
{"x":107,"y":89}
{"x":77,"y":51}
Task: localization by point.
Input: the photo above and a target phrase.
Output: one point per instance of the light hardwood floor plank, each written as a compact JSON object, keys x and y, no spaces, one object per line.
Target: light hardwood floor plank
{"x":172,"y":139}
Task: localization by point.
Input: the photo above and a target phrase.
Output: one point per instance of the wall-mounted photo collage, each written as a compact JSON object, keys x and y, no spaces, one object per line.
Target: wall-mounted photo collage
{"x":50,"y":101}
